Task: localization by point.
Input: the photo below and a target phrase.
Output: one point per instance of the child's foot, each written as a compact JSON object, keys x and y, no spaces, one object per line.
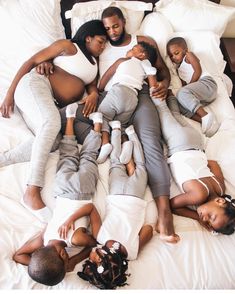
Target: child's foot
{"x":105,"y":150}
{"x":115,"y":124}
{"x":126,"y":152}
{"x":71,"y":110}
{"x":96,"y":117}
{"x":130,"y":130}
{"x":210,"y":125}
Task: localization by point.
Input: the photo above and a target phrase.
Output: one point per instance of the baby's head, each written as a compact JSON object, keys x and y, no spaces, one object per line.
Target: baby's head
{"x":219,"y":213}
{"x":106,"y":267}
{"x":143,"y":50}
{"x":176,"y":49}
{"x":47,"y":266}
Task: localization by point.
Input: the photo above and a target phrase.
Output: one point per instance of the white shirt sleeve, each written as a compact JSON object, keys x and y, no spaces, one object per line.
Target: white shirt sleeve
{"x":148,"y":68}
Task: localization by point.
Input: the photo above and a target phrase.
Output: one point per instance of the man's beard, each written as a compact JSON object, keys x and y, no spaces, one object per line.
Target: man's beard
{"x":119,"y":41}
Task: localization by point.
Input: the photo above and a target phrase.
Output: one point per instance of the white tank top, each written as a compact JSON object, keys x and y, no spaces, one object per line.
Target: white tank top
{"x":111,"y":54}
{"x":78,"y":65}
{"x":124,"y":218}
{"x":63,"y":209}
{"x":185,"y":71}
{"x":132,"y":72}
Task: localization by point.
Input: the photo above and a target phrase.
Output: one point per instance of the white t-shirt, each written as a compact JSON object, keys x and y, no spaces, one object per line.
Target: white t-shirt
{"x":132,"y":72}
{"x":124,"y":218}
{"x":112,"y":54}
{"x":63,"y":209}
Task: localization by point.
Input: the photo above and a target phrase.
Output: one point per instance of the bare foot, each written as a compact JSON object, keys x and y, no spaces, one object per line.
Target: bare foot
{"x":130,"y":167}
{"x":32,"y":198}
{"x":164,"y":224}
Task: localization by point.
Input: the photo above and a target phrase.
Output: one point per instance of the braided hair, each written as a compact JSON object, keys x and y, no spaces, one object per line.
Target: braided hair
{"x":230,"y":213}
{"x":110,"y":273}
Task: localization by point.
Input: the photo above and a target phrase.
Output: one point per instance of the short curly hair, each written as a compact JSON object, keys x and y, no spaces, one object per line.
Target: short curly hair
{"x":46,"y":266}
{"x":114,"y":274}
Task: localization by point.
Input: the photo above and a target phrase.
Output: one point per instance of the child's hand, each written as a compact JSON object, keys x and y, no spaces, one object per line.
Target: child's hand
{"x":65,"y":227}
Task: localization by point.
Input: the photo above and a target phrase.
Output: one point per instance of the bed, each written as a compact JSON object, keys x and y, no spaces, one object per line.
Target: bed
{"x":200,"y":260}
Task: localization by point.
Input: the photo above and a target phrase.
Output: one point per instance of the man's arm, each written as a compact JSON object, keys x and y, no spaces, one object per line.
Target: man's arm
{"x":109,"y":73}
{"x":23,"y":255}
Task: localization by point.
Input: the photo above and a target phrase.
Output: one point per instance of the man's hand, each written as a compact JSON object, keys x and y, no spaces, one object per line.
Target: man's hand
{"x":90,"y":104}
{"x":159,"y":91}
{"x":45,"y":68}
{"x":7,"y":106}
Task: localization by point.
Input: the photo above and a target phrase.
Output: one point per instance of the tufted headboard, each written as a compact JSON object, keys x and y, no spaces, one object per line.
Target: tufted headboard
{"x":68,"y":4}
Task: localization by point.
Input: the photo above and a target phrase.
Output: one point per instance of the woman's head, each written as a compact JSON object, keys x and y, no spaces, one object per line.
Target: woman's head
{"x":106,"y":267}
{"x":176,"y":49}
{"x":219,"y":213}
{"x":91,"y":38}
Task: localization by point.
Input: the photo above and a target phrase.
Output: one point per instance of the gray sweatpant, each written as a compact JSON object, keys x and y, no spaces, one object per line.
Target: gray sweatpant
{"x":119,"y":104}
{"x":197,"y":94}
{"x":177,"y":132}
{"x":147,"y":126}
{"x":119,"y":181}
{"x":35,"y":101}
{"x":77,"y":175}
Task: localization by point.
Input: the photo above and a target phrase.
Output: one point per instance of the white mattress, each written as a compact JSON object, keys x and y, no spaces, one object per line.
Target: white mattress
{"x":199,"y":261}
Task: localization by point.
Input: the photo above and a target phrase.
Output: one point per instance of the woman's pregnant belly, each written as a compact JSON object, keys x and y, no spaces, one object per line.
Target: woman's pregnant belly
{"x":67,"y":88}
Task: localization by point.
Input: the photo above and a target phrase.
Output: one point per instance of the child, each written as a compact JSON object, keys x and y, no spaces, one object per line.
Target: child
{"x":123,"y":232}
{"x":121,"y":100}
{"x":199,"y":87}
{"x":75,"y":185}
{"x":200,"y":181}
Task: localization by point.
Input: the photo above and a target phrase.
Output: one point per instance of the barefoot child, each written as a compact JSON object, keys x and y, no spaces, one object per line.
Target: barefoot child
{"x":200,"y":180}
{"x":75,"y":185}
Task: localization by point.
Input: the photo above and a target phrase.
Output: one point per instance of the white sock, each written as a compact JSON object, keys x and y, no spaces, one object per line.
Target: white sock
{"x":96,"y":117}
{"x":115,"y":124}
{"x":157,"y":101}
{"x":151,"y":91}
{"x":71,"y":110}
{"x":105,"y":150}
{"x":130,"y":130}
{"x":210,"y":124}
{"x":213,"y":129}
{"x":126,"y":152}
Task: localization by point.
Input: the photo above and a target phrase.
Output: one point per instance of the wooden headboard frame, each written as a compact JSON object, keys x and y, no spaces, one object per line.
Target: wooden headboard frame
{"x":68,"y":4}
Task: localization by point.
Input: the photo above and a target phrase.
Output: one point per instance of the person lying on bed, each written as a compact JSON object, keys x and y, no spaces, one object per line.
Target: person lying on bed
{"x":144,"y":116}
{"x":123,"y":232}
{"x":121,"y":100}
{"x":200,"y":180}
{"x":38,"y":98}
{"x":199,"y":88}
{"x":75,"y":185}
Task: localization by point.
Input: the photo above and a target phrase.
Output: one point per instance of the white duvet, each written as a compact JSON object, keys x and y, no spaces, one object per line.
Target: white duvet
{"x":199,"y":261}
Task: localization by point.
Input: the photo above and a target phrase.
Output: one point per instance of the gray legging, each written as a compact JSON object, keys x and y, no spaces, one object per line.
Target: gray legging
{"x":77,"y":174}
{"x":119,"y":181}
{"x":177,"y":132}
{"x":194,"y":95}
{"x":147,"y":125}
{"x":35,"y":101}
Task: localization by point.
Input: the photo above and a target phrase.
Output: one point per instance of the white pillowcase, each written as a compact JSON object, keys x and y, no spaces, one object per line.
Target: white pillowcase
{"x":26,"y":27}
{"x":133,"y":12}
{"x":156,"y":26}
{"x":185,"y":15}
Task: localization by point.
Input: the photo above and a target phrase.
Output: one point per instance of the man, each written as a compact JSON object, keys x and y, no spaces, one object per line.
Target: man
{"x":145,"y":118}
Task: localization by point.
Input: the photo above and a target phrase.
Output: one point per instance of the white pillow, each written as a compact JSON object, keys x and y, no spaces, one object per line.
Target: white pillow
{"x":26,"y":27}
{"x":82,"y":12}
{"x":185,"y":15}
{"x":156,"y":26}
